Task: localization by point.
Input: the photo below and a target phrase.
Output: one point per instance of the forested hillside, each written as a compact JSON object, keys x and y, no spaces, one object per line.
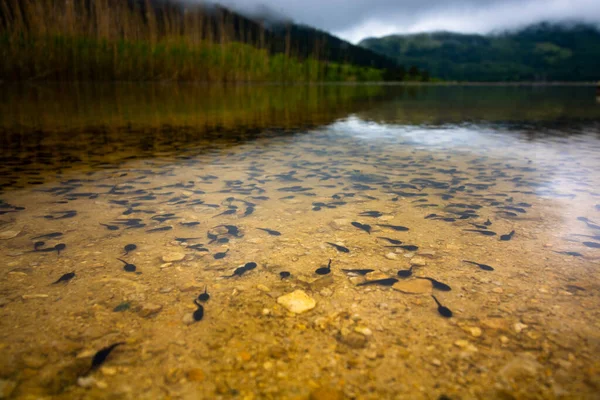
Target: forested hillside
{"x":541,"y":52}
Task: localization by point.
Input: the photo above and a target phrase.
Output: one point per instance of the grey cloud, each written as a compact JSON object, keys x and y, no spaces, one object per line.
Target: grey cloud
{"x":356,"y":19}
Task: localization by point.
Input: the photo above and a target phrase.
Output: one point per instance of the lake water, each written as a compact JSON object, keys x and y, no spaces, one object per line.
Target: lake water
{"x":486,"y":198}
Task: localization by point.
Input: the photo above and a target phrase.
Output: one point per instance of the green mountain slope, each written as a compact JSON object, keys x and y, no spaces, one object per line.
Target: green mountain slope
{"x":541,"y":52}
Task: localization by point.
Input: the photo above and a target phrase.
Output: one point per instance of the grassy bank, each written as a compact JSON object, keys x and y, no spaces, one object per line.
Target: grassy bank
{"x":107,"y":40}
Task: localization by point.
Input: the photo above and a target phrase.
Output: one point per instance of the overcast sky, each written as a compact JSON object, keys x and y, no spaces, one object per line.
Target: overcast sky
{"x":354,"y":20}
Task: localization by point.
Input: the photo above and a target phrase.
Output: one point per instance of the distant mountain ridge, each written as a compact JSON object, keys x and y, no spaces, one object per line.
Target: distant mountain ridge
{"x":540,"y":52}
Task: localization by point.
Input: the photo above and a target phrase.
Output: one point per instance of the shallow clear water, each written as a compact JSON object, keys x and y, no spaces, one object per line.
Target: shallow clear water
{"x":204,"y":181}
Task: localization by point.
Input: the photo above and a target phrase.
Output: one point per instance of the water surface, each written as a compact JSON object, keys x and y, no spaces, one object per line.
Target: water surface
{"x":205,"y":181}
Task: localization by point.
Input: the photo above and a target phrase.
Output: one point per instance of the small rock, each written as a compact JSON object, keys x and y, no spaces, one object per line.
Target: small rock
{"x":363,"y":330}
{"x":504,"y":339}
{"x":475,"y":331}
{"x":418,"y":261}
{"x":461,"y":343}
{"x":354,"y":340}
{"x":6,"y":388}
{"x":173,"y":256}
{"x":520,"y":367}
{"x":195,"y":375}
{"x":414,"y":286}
{"x":375,"y":275}
{"x":518,"y":327}
{"x":436,"y":362}
{"x":108,"y":371}
{"x":34,"y":296}
{"x":8,"y":234}
{"x":190,"y":287}
{"x":297,"y":301}
{"x":188,"y":319}
{"x":391,"y":256}
{"x":150,"y":309}
{"x":263,"y":288}
{"x":498,"y":290}
{"x":86,"y":381}
{"x":268,"y":365}
{"x":326,"y":292}
{"x":34,"y":361}
{"x":427,"y":253}
{"x":339,"y":223}
{"x":165,"y":265}
{"x":325,"y":393}
{"x":495,"y":323}
{"x":322,"y":283}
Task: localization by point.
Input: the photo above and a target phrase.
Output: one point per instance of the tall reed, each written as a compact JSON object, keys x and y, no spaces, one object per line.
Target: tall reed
{"x":145,"y":40}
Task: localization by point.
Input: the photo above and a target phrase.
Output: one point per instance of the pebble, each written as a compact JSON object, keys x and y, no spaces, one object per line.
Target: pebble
{"x":263,"y":288}
{"x":34,"y":296}
{"x":375,"y":275}
{"x":195,"y":375}
{"x":86,"y":381}
{"x":518,"y":327}
{"x":339,"y":223}
{"x":414,"y":286}
{"x":322,"y":283}
{"x":363,"y":330}
{"x":8,"y":234}
{"x":173,"y":256}
{"x":34,"y":361}
{"x":427,"y":253}
{"x":391,"y":256}
{"x":6,"y":388}
{"x":520,"y":367}
{"x":418,"y":261}
{"x":188,"y":319}
{"x":149,"y":309}
{"x":504,"y":339}
{"x":498,"y":290}
{"x":354,"y":340}
{"x":190,"y":287}
{"x":108,"y":371}
{"x":326,"y":393}
{"x":297,"y":301}
{"x":495,"y":323}
{"x":165,"y":265}
{"x":436,"y":362}
{"x":475,"y":331}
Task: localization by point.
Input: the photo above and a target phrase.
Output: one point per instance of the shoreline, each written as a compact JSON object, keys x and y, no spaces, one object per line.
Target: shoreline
{"x":300,"y":83}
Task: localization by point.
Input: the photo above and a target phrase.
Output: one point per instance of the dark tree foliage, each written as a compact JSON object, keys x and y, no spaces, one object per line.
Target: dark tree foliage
{"x":541,"y":52}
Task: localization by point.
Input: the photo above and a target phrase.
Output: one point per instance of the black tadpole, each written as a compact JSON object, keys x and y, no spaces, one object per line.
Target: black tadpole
{"x":284,"y":274}
{"x":129,"y":248}
{"x":405,"y":273}
{"x":204,"y":296}
{"x":482,"y":266}
{"x":444,"y":311}
{"x":380,"y":282}
{"x":221,"y":255}
{"x":65,"y":278}
{"x":324,"y":270}
{"x":437,"y":284}
{"x":127,"y":267}
{"x":199,"y":313}
{"x":101,"y":356}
